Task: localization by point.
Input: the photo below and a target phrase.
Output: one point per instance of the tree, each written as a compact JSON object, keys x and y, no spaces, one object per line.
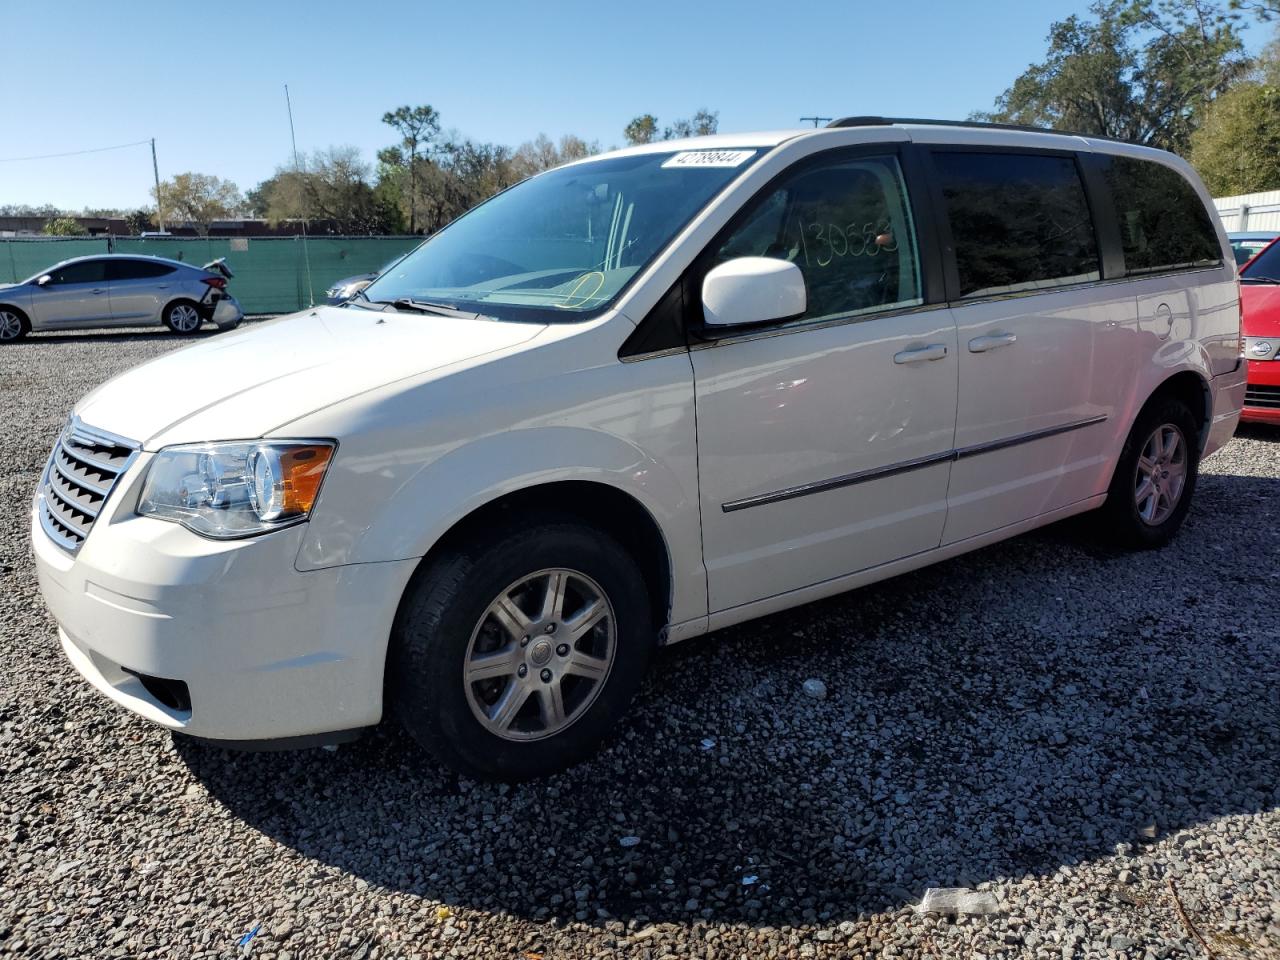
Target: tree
{"x":417,"y":126}
{"x":199,"y":199}
{"x":701,"y":124}
{"x":540,"y":154}
{"x":1237,"y":146}
{"x":333,"y":184}
{"x":1139,"y":70}
{"x":64,"y":227}
{"x":643,"y":129}
{"x":138,"y":220}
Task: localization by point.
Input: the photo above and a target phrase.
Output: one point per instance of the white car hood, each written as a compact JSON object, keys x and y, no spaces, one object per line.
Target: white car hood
{"x":241,"y":385}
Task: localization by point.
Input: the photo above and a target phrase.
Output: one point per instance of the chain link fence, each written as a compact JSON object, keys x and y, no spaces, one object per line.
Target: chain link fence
{"x":272,"y":274}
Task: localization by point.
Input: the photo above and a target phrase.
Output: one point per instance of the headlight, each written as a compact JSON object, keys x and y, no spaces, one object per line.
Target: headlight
{"x":228,"y":490}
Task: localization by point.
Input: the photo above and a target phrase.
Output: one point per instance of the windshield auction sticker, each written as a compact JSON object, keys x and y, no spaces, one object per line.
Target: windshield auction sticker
{"x":710,"y":158}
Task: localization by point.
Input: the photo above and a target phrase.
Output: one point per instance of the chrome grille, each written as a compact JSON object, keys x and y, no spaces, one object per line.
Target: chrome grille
{"x":82,"y":470}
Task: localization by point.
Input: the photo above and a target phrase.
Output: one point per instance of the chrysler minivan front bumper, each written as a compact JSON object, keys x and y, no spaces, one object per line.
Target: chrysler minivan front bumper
{"x":223,"y":640}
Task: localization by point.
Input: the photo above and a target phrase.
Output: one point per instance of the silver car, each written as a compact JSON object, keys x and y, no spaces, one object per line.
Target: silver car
{"x":119,"y":290}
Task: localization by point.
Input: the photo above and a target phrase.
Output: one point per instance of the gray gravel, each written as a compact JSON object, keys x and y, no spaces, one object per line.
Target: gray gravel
{"x":1075,"y":731}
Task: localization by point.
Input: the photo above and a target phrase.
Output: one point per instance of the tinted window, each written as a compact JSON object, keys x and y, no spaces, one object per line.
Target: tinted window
{"x":1018,"y":221}
{"x":1265,"y":266}
{"x":1163,"y":223}
{"x":136,"y":269}
{"x":85,"y":271}
{"x":1246,"y":250}
{"x":847,"y":225}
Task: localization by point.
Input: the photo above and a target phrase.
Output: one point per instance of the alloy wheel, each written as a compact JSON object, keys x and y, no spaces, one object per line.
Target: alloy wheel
{"x":10,"y":325}
{"x":184,"y":318}
{"x":540,"y":655}
{"x":1161,"y":474}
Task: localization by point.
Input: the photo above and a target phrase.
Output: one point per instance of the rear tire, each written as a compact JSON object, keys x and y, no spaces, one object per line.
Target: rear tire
{"x":14,"y":324}
{"x":1155,"y":477}
{"x":183,"y":317}
{"x":513,"y":656}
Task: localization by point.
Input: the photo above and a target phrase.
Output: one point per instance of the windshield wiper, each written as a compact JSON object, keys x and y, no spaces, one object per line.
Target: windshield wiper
{"x":1259,"y":280}
{"x":426,"y":306}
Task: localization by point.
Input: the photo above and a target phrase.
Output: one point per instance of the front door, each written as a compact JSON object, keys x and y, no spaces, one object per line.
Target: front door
{"x":824,"y":443}
{"x":76,"y":295}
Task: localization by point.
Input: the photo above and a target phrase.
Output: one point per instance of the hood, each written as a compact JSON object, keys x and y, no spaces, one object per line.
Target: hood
{"x":241,"y":385}
{"x":1261,"y":305}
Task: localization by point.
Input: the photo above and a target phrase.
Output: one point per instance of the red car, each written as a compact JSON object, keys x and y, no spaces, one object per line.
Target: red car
{"x":1260,"y":293}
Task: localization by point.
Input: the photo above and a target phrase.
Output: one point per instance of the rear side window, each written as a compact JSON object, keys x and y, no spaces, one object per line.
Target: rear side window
{"x":1018,"y":221}
{"x":846,"y":223}
{"x":136,"y":269}
{"x":1163,"y":223}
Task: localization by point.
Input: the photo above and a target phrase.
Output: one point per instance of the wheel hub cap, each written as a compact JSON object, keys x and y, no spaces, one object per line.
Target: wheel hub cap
{"x":540,"y":652}
{"x":1161,"y":474}
{"x":540,"y":655}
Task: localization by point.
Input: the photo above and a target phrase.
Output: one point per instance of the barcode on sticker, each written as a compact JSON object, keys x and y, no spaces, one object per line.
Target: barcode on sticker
{"x":710,"y":158}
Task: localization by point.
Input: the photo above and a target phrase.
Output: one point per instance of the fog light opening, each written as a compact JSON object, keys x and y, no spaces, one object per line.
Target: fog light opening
{"x":170,"y":693}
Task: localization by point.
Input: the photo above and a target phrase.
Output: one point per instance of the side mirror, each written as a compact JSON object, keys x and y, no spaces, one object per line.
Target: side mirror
{"x":44,"y":281}
{"x":752,"y":290}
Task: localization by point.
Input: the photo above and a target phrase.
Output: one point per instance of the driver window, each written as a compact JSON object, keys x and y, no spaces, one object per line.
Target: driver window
{"x":847,"y":225}
{"x":85,"y":271}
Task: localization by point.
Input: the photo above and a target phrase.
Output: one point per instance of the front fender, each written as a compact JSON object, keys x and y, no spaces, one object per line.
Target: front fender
{"x":399,"y":483}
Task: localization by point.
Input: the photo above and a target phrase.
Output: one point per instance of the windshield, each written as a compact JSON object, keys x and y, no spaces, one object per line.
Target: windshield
{"x":1265,"y":266}
{"x":561,"y":246}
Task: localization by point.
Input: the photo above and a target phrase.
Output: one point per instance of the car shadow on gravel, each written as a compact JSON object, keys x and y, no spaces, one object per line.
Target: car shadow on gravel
{"x":1028,"y":706}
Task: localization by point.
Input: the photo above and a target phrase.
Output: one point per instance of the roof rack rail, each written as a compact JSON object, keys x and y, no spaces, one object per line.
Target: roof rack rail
{"x":871,"y":121}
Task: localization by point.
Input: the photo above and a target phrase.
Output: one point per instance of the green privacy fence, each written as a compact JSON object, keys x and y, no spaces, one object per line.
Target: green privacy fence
{"x":271,"y":273}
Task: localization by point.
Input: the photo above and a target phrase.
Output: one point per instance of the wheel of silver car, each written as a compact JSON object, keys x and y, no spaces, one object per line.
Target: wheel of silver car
{"x":540,"y":654}
{"x":12,"y":325}
{"x":1161,"y":474}
{"x":182,"y":318}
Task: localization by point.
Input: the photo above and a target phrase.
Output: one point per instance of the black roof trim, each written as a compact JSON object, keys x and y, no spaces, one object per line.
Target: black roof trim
{"x":977,"y":124}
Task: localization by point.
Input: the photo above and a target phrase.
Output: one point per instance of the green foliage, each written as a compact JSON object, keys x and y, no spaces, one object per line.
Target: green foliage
{"x":1140,"y":70}
{"x":417,"y":126}
{"x":64,"y":227}
{"x":197,"y":198}
{"x":644,"y":128}
{"x":1237,"y":147}
{"x":333,"y":184}
{"x":138,"y":220}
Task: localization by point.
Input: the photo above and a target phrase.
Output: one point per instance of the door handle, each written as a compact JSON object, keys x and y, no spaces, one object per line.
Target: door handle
{"x":934,"y":351}
{"x":162,"y":286}
{"x":993,"y":342}
{"x":98,"y":290}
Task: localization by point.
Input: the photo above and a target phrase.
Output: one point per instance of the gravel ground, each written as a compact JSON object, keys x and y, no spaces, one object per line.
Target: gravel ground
{"x":1074,"y":731}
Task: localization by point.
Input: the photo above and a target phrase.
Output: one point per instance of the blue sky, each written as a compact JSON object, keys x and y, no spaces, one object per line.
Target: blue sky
{"x":207,"y":80}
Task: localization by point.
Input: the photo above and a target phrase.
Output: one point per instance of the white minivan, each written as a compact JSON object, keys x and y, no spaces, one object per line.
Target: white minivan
{"x":629,"y":401}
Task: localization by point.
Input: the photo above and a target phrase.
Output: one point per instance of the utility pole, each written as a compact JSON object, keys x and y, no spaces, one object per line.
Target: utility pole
{"x":816,"y":120}
{"x":155,"y":168}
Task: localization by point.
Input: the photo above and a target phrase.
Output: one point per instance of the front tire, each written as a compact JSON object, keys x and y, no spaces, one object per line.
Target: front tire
{"x":13,"y":325}
{"x":513,"y":657}
{"x":1155,"y":477}
{"x":182,"y":317}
